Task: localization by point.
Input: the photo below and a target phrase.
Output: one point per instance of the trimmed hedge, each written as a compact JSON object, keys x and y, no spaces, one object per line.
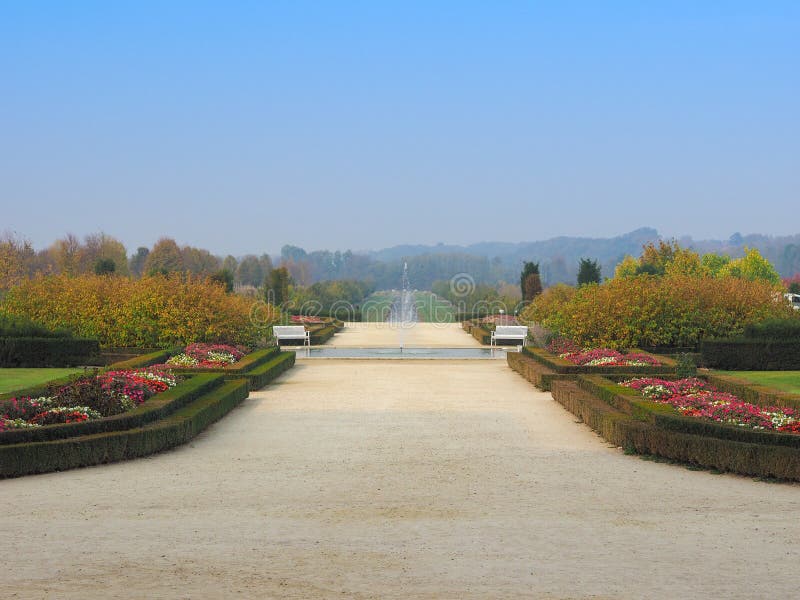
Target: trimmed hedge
{"x":37,"y":352}
{"x":322,"y":335}
{"x":753,"y":393}
{"x":259,"y":367}
{"x":237,"y":369}
{"x":627,"y":420}
{"x":157,"y":407}
{"x":559,"y":365}
{"x":746,"y":354}
{"x":481,"y":334}
{"x":166,"y":420}
{"x":537,"y":373}
{"x":173,"y":430}
{"x":145,"y":360}
{"x":774,"y":329}
{"x":19,"y":326}
{"x":666,"y":417}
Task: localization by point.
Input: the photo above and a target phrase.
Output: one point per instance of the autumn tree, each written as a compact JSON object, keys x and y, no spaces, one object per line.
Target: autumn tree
{"x":16,"y":260}
{"x":165,"y":257}
{"x":99,"y":247}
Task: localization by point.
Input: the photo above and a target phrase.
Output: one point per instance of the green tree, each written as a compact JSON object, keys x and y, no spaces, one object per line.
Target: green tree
{"x":714,"y":263}
{"x":588,"y":271}
{"x":249,"y":271}
{"x":753,"y":267}
{"x":230,"y":263}
{"x":137,"y":261}
{"x":224,"y":277}
{"x":277,"y":289}
{"x":104,"y":266}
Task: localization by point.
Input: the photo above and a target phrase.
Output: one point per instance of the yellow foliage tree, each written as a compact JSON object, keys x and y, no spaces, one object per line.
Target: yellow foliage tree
{"x":157,"y":311}
{"x":670,"y":310}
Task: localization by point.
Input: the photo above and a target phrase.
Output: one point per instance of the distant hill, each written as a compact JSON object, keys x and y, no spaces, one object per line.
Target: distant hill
{"x":491,"y":262}
{"x":559,"y":256}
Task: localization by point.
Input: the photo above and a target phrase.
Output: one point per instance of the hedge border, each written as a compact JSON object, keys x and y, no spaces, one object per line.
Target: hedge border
{"x":40,"y":352}
{"x":643,"y":437}
{"x":561,"y":366}
{"x":237,"y":369}
{"x":665,"y":416}
{"x":746,"y":354}
{"x":537,"y":373}
{"x":259,"y":367}
{"x":157,"y":407}
{"x":169,"y":432}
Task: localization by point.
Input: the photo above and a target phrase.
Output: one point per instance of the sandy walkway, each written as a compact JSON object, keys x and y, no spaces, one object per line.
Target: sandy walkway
{"x":423,"y":335}
{"x":381,"y":479}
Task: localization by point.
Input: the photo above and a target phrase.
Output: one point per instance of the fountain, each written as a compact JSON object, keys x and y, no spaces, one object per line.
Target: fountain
{"x":403,"y":313}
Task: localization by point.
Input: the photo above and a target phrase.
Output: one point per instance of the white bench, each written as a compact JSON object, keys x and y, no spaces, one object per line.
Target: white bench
{"x":509,"y":332}
{"x":291,"y":332}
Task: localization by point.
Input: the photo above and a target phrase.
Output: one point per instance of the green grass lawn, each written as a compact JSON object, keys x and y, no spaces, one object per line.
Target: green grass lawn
{"x":17,"y":379}
{"x":433,"y":309}
{"x":376,"y":307}
{"x":788,"y":381}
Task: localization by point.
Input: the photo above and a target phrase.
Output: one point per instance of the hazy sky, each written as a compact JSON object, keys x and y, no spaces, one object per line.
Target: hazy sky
{"x":242,"y":126}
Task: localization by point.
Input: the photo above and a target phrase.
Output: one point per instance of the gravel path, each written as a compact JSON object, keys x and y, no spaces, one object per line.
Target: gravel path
{"x":373,"y":479}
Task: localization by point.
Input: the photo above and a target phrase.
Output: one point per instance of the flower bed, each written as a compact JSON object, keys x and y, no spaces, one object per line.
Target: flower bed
{"x":599,"y":357}
{"x":306,"y":320}
{"x":697,"y":398}
{"x":496,"y":320}
{"x":86,"y":398}
{"x":206,"y":356}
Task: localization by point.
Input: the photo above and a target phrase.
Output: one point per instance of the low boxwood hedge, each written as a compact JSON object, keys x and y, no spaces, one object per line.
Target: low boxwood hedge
{"x":145,"y":360}
{"x":266,"y":372}
{"x":665,"y":416}
{"x":259,"y":367}
{"x":625,"y":418}
{"x":164,"y":421}
{"x":559,"y":365}
{"x":481,"y":334}
{"x":157,"y":407}
{"x":749,"y":392}
{"x":237,"y":369}
{"x":534,"y":371}
{"x":35,"y":352}
{"x":175,"y":429}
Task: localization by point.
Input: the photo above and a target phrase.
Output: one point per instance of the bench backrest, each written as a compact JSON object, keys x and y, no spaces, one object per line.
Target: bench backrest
{"x":288,"y":331}
{"x":510,"y":331}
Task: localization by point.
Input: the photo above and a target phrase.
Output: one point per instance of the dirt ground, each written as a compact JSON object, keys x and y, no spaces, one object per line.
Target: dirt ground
{"x":390,"y":479}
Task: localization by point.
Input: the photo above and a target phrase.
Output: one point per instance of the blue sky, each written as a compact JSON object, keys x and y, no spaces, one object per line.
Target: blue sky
{"x":243,"y":126}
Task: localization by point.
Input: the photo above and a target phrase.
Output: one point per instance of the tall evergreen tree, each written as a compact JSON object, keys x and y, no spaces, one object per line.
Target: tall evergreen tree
{"x":588,"y":272}
{"x":530,"y":281}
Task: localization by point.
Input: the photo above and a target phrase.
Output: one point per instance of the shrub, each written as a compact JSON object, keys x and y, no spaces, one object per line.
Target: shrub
{"x":157,"y":311}
{"x":685,"y":366}
{"x":670,"y":310}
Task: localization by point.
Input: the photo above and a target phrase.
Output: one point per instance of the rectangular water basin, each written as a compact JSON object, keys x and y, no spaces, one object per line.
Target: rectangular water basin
{"x":401,"y":353}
